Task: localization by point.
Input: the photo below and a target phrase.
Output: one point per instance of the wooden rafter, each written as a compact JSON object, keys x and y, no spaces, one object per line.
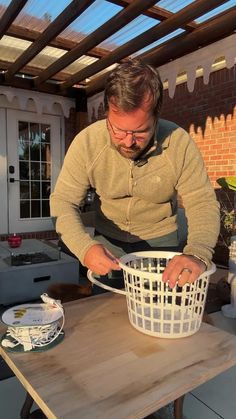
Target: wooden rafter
{"x":219,"y":27}
{"x":156,"y":12}
{"x":185,"y":15}
{"x":75,"y":8}
{"x":33,"y":71}
{"x":66,"y":44}
{"x":107,"y":29}
{"x":10,"y":14}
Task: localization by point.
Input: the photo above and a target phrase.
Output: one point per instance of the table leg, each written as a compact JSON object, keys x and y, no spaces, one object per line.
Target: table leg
{"x":25,"y":411}
{"x":178,"y":408}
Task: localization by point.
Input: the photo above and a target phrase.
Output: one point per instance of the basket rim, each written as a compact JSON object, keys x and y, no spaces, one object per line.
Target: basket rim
{"x":155,"y":254}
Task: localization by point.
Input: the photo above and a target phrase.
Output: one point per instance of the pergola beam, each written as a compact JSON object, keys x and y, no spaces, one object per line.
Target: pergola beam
{"x":51,"y":88}
{"x":184,"y":16}
{"x":33,"y":71}
{"x":107,"y":29}
{"x":207,"y":33}
{"x":69,"y":14}
{"x":10,"y":14}
{"x":31,"y":35}
{"x":156,"y":12}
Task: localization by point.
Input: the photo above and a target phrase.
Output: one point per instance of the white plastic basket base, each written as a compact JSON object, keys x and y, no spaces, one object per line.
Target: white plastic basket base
{"x":173,"y":324}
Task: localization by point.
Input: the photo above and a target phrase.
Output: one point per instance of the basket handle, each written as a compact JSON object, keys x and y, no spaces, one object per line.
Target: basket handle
{"x":100,"y":284}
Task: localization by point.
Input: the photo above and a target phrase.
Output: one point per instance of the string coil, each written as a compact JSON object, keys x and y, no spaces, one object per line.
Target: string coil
{"x":36,"y":336}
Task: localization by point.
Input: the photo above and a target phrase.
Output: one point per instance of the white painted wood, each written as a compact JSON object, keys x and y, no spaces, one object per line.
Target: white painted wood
{"x":34,"y":224}
{"x":3,"y":174}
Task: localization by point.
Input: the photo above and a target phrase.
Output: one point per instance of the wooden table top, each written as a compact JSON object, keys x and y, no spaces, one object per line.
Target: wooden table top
{"x":104,"y":368}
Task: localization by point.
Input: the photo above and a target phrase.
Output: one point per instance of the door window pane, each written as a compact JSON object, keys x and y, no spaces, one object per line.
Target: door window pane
{"x":35,"y":171}
{"x":45,"y":152}
{"x":23,"y":131}
{"x":46,"y":189}
{"x":34,"y":152}
{"x":35,"y":209}
{"x":24,"y":190}
{"x":35,"y":133}
{"x":46,"y":171}
{"x":35,"y":190}
{"x":45,"y":133}
{"x":24,"y":209}
{"x":45,"y":208}
{"x":24,"y":170}
{"x":23,"y":150}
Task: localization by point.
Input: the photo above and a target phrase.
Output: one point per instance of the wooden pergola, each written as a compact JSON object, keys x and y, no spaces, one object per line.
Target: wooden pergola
{"x":55,"y":78}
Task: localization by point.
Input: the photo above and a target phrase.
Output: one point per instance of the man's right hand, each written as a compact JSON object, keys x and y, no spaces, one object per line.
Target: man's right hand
{"x":100,"y":261}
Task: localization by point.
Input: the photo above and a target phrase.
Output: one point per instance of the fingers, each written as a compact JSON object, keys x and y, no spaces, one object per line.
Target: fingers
{"x":100,"y":260}
{"x":183,"y":269}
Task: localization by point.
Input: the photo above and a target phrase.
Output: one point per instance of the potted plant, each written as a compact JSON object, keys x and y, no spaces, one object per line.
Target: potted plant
{"x":228,"y":219}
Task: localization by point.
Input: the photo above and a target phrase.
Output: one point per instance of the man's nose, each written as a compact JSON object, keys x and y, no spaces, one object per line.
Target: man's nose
{"x":129,"y":139}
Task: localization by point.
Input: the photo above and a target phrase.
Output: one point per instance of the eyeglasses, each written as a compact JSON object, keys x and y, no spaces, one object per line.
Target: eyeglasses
{"x":121,"y":134}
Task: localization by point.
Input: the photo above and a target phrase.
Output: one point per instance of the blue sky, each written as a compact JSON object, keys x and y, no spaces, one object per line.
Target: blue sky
{"x":101,"y":11}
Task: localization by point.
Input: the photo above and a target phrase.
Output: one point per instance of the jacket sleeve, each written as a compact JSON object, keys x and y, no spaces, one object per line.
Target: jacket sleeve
{"x":199,"y":201}
{"x":70,"y":190}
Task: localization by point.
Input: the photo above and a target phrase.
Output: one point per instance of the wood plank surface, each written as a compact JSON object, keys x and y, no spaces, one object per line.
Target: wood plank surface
{"x":105,"y":368}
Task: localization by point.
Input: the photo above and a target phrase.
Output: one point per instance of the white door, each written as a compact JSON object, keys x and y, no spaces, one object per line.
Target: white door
{"x":3,"y":172}
{"x":34,"y":161}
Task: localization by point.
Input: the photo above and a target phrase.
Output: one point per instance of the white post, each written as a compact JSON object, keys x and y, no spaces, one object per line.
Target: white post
{"x":229,"y":310}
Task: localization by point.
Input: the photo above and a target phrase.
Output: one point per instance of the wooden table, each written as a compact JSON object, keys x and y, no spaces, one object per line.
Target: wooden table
{"x":105,"y":368}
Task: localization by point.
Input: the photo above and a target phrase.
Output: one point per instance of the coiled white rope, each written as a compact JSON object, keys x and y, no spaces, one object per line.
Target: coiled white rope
{"x":35,"y":336}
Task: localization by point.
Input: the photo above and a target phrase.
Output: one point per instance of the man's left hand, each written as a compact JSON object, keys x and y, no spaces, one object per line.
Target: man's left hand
{"x":183,"y":269}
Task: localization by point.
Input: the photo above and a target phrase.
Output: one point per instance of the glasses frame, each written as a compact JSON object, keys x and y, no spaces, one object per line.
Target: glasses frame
{"x":122,"y":134}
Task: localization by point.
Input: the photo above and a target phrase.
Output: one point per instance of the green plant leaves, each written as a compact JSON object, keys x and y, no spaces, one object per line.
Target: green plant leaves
{"x":228,"y":182}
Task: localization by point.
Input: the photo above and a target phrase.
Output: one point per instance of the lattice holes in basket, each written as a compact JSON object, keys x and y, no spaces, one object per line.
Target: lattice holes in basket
{"x":153,"y":307}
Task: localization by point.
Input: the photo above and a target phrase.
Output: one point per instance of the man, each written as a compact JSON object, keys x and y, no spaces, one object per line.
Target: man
{"x":137,"y":164}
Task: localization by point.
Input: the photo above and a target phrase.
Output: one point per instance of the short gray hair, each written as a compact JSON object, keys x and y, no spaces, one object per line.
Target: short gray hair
{"x":130,"y":82}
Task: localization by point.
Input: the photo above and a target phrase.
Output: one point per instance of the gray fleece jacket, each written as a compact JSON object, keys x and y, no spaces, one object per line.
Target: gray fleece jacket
{"x":136,"y":202}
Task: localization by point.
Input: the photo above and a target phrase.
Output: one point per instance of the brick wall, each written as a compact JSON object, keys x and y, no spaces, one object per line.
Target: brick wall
{"x":46,"y":235}
{"x":209,"y":115}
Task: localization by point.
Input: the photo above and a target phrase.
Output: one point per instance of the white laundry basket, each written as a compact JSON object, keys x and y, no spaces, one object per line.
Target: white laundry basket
{"x":153,"y":307}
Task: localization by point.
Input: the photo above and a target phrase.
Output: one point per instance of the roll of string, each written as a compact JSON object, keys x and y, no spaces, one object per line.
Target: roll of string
{"x":31,"y":337}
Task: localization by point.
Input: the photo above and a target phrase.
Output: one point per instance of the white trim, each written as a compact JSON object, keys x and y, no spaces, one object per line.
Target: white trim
{"x":43,"y":102}
{"x":204,"y":57}
{"x":3,"y":174}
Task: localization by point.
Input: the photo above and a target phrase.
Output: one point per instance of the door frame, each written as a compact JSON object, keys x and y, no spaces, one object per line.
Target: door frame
{"x":3,"y":173}
{"x":15,"y":224}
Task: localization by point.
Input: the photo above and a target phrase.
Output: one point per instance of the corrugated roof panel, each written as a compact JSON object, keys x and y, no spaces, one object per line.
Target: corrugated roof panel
{"x":216,"y":11}
{"x":173,"y":5}
{"x":92,"y":18}
{"x":11,"y":48}
{"x":38,"y":15}
{"x":3,"y":5}
{"x":159,"y":41}
{"x":129,"y":31}
{"x":102,"y":72}
{"x":46,"y":57}
{"x":77,"y":65}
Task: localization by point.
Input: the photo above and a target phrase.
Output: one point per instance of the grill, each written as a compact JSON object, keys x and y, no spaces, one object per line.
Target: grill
{"x":28,"y":259}
{"x":27,"y":271}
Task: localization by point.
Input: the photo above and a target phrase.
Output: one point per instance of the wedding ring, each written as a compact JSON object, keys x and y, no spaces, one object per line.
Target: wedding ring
{"x":187,"y":270}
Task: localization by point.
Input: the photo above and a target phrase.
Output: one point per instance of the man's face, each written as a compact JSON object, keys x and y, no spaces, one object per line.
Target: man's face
{"x":130,"y":132}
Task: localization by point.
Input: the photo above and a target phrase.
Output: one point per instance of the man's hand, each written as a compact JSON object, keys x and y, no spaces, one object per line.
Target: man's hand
{"x":183,"y":269}
{"x":100,"y":261}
